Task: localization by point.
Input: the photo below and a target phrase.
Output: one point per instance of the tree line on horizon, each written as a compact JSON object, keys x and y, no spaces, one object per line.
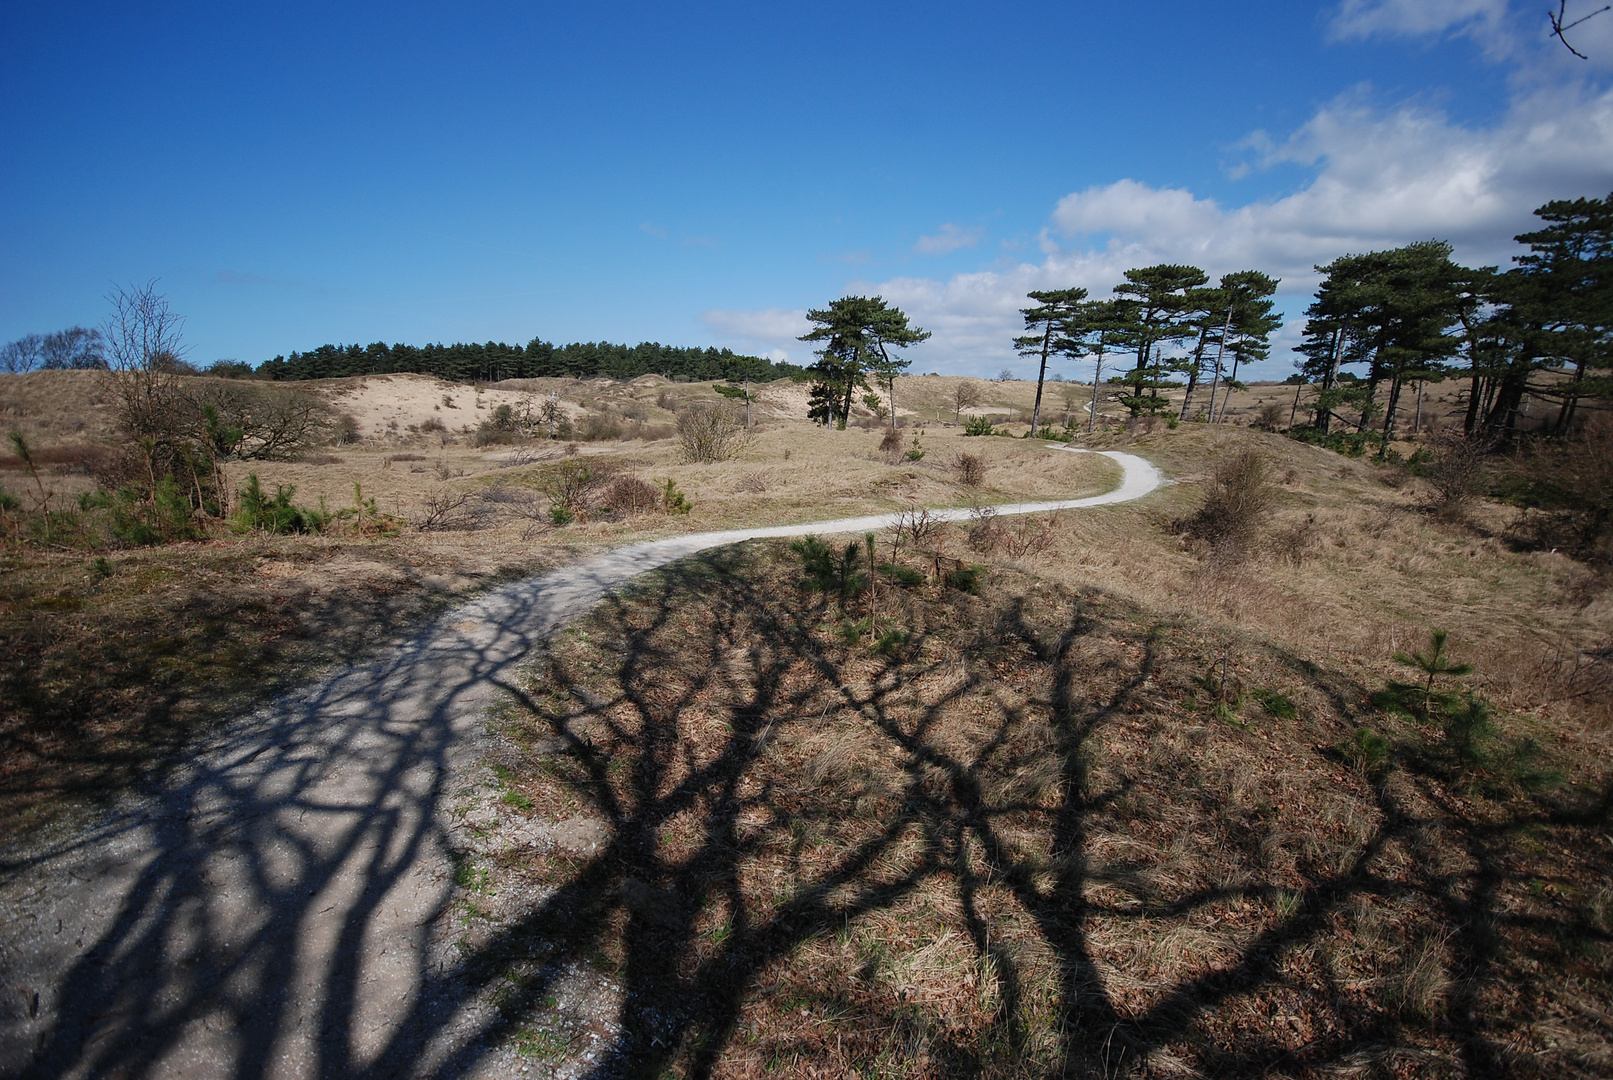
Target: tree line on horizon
{"x":495,"y":361}
{"x":1542,"y":330}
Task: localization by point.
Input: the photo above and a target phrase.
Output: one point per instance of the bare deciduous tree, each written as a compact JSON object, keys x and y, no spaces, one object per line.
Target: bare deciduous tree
{"x":21,"y":356}
{"x":143,"y":353}
{"x":75,"y":349}
{"x":965,"y":395}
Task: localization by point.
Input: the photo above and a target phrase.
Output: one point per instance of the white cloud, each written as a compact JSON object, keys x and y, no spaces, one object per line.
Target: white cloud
{"x":1418,"y":18}
{"x":1516,"y":31}
{"x":771,"y":332}
{"x":948,"y":239}
{"x":1382,"y":179}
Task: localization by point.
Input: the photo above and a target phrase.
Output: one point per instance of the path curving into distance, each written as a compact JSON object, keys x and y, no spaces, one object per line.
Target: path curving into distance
{"x":277,"y":909}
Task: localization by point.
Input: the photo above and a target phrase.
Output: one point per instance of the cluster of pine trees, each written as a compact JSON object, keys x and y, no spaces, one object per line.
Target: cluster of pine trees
{"x":1541,"y":331}
{"x":1171,"y":324}
{"x":495,"y":360}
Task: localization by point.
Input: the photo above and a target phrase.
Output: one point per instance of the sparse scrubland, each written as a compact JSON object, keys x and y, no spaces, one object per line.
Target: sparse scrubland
{"x":1143,"y":789}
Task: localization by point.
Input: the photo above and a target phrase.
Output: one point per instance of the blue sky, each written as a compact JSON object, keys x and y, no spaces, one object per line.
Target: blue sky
{"x":700,"y":174}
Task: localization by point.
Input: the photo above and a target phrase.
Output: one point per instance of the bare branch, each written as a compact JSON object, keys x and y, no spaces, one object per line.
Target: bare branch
{"x":1559,"y":27}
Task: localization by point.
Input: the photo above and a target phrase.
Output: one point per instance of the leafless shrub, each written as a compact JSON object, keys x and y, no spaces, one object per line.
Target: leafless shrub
{"x":1027,"y":536}
{"x":1238,"y":500}
{"x":626,"y":496}
{"x":572,"y":486}
{"x":521,"y":503}
{"x":753,"y":483}
{"x":986,"y":533}
{"x":1582,"y":674}
{"x":969,"y":469}
{"x":346,"y":430}
{"x":1454,"y":464}
{"x":266,"y":422}
{"x":430,"y":424}
{"x":709,"y":432}
{"x":521,"y":455}
{"x":916,"y":527}
{"x":445,"y":510}
{"x":667,"y":400}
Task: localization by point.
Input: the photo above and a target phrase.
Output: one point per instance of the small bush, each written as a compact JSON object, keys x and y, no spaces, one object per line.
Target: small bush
{"x":570,"y":486}
{"x":1236,"y":504}
{"x":710,"y":432}
{"x":600,"y":427}
{"x":430,"y":424}
{"x":969,"y":470}
{"x":673,"y":501}
{"x":1269,"y":417}
{"x":890,"y":446}
{"x":626,"y":496}
{"x":1452,"y":467}
{"x":1368,"y":753}
{"x":979,"y":425}
{"x":904,"y":576}
{"x":965,"y":578}
{"x":274,"y":514}
{"x":828,"y":572}
{"x":1277,"y":705}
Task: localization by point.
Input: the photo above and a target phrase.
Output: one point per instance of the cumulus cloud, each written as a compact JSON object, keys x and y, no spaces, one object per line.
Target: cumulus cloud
{"x":948,"y":239}
{"x":1378,"y":178}
{"x":1382,"y":178}
{"x":771,"y":332}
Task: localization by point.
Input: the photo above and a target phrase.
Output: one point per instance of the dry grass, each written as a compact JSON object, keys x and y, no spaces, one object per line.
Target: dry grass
{"x":1025,"y":842}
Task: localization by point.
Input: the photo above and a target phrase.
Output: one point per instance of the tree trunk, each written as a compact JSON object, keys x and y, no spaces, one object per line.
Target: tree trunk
{"x":1565,"y":415}
{"x":1502,"y":418}
{"x":1036,"y":410}
{"x":1097,"y":375}
{"x":1389,"y":417}
{"x":1232,"y":378}
{"x":1193,"y":372}
{"x":1293,"y":412}
{"x":1220,"y":355}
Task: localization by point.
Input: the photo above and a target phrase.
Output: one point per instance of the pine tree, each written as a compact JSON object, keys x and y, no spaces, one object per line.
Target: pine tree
{"x":1050,"y":323}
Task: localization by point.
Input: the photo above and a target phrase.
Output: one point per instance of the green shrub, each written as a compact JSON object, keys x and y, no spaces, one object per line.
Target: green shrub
{"x":825,"y":571}
{"x":905,"y":576}
{"x":674,"y":500}
{"x":165,"y":517}
{"x":1276,"y":705}
{"x":1368,"y":753}
{"x":965,"y":578}
{"x":275,"y":514}
{"x":979,"y":425}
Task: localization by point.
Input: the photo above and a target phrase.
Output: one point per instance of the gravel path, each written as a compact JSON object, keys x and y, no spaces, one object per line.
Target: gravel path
{"x":278,"y":909}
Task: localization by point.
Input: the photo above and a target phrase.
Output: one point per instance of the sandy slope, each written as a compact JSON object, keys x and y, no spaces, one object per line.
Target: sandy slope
{"x":279,"y":909}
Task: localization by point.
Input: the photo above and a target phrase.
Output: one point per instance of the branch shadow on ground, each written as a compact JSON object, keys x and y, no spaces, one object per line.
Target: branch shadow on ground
{"x":694,"y":732}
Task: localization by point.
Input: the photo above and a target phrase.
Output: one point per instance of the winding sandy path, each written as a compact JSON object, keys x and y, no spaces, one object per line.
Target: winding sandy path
{"x":271,"y":912}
